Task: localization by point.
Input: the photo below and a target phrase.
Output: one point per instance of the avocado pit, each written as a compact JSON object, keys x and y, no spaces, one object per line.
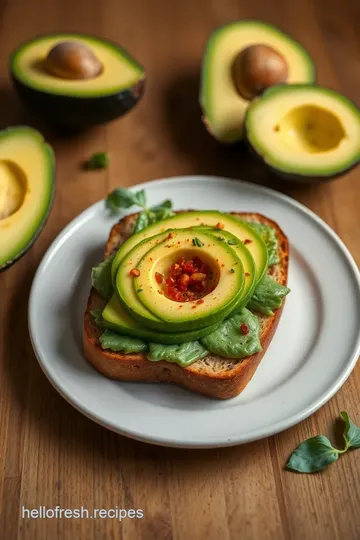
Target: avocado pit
{"x":12,"y":188}
{"x":256,"y":68}
{"x":72,"y":60}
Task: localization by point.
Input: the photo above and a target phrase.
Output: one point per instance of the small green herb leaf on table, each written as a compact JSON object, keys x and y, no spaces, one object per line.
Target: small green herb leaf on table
{"x":314,"y":454}
{"x":351,"y":433}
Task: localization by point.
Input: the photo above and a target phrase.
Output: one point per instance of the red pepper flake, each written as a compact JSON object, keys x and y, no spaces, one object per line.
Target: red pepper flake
{"x":158,"y":277}
{"x":222,"y":266}
{"x":134,"y":272}
{"x":160,"y":291}
{"x":219,"y":226}
{"x":150,"y":259}
{"x":200,"y":301}
{"x":170,"y":235}
{"x":247,"y":241}
{"x":244,"y":328}
{"x":193,"y":307}
{"x":180,"y":307}
{"x":247,"y":274}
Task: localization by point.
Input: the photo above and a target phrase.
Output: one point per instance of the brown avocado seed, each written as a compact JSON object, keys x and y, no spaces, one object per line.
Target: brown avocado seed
{"x":72,"y":60}
{"x":257,"y":68}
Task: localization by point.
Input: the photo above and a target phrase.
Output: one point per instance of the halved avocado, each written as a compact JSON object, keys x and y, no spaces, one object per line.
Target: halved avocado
{"x":304,"y":132}
{"x":27,"y":184}
{"x":222,"y":105}
{"x":98,"y":97}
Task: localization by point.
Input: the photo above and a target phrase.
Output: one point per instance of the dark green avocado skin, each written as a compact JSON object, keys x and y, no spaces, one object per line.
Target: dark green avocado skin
{"x":43,"y":222}
{"x":299,"y":179}
{"x":72,"y":112}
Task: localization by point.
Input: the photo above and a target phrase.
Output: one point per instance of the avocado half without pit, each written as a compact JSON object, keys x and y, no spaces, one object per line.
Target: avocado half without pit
{"x":243,"y":59}
{"x":304,"y":133}
{"x":76,"y":80}
{"x":27,"y":185}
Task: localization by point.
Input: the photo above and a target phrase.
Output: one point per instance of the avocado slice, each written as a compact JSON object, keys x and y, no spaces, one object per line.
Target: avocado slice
{"x":106,"y":95}
{"x":116,"y":318}
{"x":27,"y":185}
{"x":210,"y":218}
{"x":304,"y":132}
{"x":226,"y":281}
{"x":222,"y":105}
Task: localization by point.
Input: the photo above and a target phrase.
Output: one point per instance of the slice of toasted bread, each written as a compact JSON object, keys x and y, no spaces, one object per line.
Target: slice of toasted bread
{"x":214,"y":375}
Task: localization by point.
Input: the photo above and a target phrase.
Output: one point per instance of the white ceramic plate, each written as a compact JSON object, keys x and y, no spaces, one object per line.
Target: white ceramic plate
{"x":313,"y":352}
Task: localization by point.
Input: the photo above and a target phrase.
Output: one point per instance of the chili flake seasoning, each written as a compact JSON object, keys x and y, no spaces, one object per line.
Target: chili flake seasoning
{"x":134,"y":272}
{"x":188,"y":280}
{"x":244,"y":328}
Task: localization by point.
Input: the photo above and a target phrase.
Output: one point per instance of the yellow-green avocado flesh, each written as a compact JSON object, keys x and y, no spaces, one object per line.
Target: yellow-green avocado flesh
{"x":207,"y":218}
{"x":223,"y":107}
{"x":304,"y":131}
{"x":228,"y":281}
{"x":27,"y":184}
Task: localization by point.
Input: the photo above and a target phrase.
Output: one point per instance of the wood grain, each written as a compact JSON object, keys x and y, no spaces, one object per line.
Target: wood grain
{"x":50,"y":454}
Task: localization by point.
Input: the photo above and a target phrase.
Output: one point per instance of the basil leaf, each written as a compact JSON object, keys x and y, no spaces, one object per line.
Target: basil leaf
{"x":230,"y":341}
{"x":268,"y":295}
{"x":115,"y":342}
{"x":351,"y":432}
{"x":124,"y":198}
{"x":100,"y":160}
{"x":142,"y":222}
{"x":140,"y":198}
{"x":160,"y":213}
{"x":165,"y":204}
{"x":101,"y":278}
{"x":313,"y":455}
{"x":184,"y":354}
{"x":269,"y":236}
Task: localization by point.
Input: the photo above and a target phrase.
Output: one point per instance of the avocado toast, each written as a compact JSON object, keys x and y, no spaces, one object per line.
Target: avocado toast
{"x":212,"y":374}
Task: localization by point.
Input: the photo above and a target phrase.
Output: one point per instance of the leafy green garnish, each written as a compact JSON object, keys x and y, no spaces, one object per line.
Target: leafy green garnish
{"x":100,"y":160}
{"x":232,"y":242}
{"x":117,"y":343}
{"x":269,"y":236}
{"x":97,"y":317}
{"x":316,"y":453}
{"x":196,"y":242}
{"x":268,"y":295}
{"x":313,"y":455}
{"x":228,"y":340}
{"x":122,"y":198}
{"x":351,"y":433}
{"x":101,"y":278}
{"x":184,"y":354}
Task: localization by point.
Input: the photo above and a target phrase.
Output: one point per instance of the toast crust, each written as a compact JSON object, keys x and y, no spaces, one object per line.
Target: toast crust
{"x":199,"y":376}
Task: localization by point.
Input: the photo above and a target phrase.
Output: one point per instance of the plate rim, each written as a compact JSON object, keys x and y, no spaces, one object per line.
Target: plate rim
{"x":261,"y":433}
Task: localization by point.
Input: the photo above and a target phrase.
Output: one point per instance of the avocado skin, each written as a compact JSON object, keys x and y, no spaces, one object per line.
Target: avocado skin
{"x":41,"y":226}
{"x":300,"y":180}
{"x":74,"y":112}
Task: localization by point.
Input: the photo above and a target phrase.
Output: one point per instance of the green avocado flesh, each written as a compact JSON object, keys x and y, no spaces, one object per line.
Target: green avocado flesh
{"x":305,"y":131}
{"x":242,"y":230}
{"x":27,"y":183}
{"x":223,"y":107}
{"x":140,"y":317}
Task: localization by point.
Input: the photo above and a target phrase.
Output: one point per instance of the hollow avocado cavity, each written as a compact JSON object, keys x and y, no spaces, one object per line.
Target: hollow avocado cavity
{"x":311,"y":129}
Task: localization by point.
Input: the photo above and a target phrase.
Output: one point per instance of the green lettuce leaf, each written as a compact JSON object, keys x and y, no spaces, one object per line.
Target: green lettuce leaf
{"x":231,"y":341}
{"x":184,"y":354}
{"x":269,"y":236}
{"x":117,"y":343}
{"x":101,"y":278}
{"x":268,"y":295}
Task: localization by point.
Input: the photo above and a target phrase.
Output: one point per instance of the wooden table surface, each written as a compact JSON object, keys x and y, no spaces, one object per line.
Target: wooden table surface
{"x":49,"y":453}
